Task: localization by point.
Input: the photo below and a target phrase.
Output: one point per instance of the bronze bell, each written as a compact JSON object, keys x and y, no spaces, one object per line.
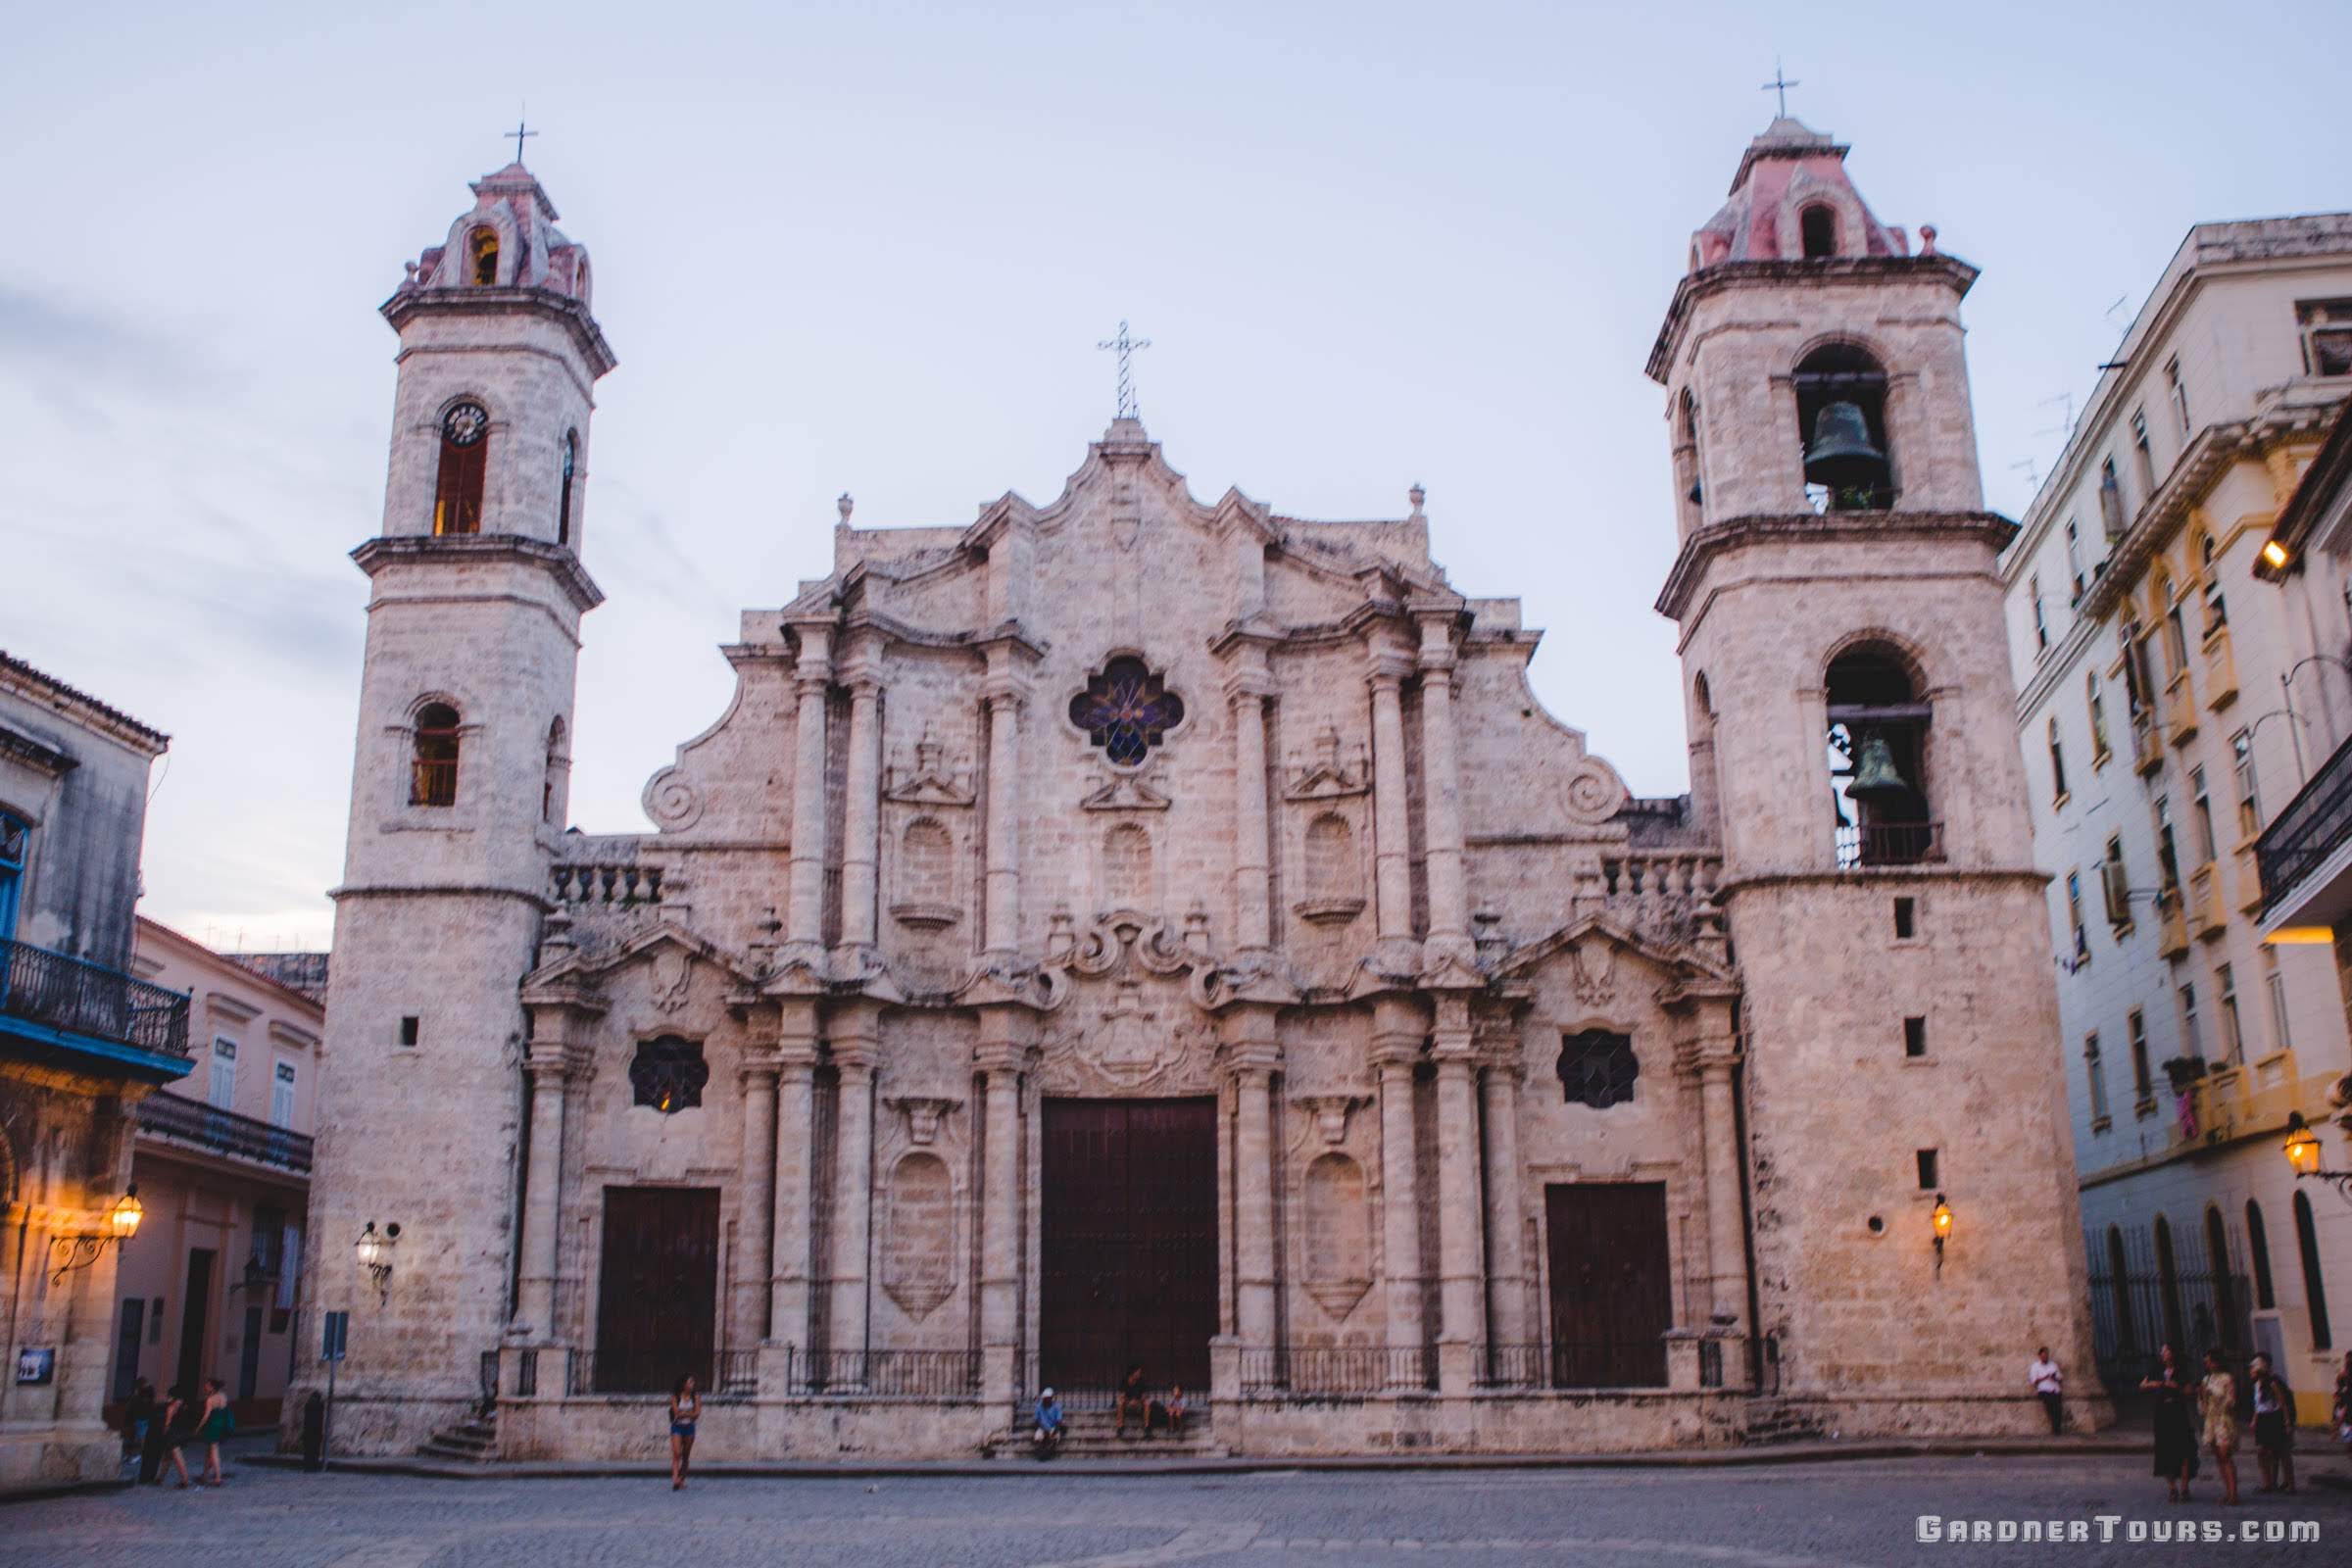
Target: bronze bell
{"x":1841,"y":457}
{"x":1874,"y":777}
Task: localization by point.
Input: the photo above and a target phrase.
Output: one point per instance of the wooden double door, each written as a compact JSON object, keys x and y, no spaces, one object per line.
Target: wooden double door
{"x":656,"y":1315}
{"x":1128,"y":1238}
{"x":1611,"y":1298}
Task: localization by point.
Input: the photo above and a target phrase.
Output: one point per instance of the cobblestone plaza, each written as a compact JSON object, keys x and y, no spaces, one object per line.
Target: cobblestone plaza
{"x":1745,"y":1516}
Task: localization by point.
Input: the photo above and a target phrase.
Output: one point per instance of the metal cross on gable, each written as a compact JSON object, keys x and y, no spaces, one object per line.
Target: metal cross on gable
{"x":1780,"y":83}
{"x":1126,"y":347}
{"x":519,"y":133}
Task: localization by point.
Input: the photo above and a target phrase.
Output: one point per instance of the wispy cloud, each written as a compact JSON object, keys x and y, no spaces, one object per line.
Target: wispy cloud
{"x":60,"y":335}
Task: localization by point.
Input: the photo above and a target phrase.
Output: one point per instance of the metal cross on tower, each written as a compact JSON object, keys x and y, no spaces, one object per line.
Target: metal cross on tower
{"x":1126,"y":347}
{"x":1780,"y":85}
{"x":519,"y":133}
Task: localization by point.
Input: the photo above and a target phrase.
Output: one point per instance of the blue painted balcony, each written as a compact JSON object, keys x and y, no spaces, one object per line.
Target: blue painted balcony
{"x":85,"y":1014}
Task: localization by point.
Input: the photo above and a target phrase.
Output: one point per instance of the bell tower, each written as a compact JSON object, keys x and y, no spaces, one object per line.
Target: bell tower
{"x":458,"y":793}
{"x":1850,"y":697}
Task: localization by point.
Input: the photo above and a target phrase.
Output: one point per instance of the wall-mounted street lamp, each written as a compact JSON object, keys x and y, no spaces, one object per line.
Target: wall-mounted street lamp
{"x":81,"y":1249}
{"x":1942,"y":1223}
{"x":375,"y":1252}
{"x":2303,"y":1152}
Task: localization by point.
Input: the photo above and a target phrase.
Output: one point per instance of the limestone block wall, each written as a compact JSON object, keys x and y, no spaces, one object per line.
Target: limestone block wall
{"x":1839,"y":1113}
{"x":424,"y":1135}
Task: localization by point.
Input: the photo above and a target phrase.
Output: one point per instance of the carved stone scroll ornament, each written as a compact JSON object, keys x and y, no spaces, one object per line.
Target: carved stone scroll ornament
{"x":1592,"y":792}
{"x":673,"y":804}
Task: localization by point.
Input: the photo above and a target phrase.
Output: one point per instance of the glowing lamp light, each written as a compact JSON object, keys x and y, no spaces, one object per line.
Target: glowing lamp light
{"x":2302,"y":1146}
{"x":122,"y":1221}
{"x":373,"y":1249}
{"x":1943,"y":1220}
{"x":2275,"y":555}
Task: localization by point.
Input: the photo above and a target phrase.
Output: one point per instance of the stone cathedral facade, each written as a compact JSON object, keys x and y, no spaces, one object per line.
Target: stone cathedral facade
{"x":1146,"y":929}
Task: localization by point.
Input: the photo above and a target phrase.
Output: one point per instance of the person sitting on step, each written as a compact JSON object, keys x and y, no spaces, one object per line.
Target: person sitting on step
{"x":1046,"y":1440}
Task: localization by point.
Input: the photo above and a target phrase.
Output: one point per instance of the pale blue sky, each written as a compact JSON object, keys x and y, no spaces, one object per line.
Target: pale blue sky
{"x":872,"y":247}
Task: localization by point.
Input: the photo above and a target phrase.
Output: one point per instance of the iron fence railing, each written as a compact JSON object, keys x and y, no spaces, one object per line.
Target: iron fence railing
{"x":721,"y":1374}
{"x":1877,"y":843}
{"x":2151,"y":1289}
{"x":82,"y":998}
{"x":1578,"y":1365}
{"x":224,"y":1132}
{"x":2311,"y":827}
{"x":1302,"y":1371}
{"x":883,"y":1374}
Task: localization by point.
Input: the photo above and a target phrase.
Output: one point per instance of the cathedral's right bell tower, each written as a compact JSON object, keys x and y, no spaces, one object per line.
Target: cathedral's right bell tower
{"x":1852,"y":736}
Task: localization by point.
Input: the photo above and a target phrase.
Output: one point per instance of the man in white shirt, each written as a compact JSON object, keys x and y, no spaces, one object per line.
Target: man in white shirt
{"x":2047,"y":1381}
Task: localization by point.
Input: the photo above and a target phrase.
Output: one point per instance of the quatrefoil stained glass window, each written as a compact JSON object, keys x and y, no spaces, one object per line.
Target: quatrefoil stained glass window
{"x":668,"y":1073}
{"x":1598,"y":1068}
{"x":1126,"y":710}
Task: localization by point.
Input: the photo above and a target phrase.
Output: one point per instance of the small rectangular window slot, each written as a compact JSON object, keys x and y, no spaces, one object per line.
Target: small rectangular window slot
{"x":408,"y":1029}
{"x":1915,"y":1036}
{"x":1928,"y":1181}
{"x":1906,"y":919}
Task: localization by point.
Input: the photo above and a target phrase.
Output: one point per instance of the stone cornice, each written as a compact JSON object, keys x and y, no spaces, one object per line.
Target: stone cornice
{"x":514,"y":549}
{"x":1708,"y":282}
{"x":1829,"y":527}
{"x":507,"y":300}
{"x":2163,"y":514}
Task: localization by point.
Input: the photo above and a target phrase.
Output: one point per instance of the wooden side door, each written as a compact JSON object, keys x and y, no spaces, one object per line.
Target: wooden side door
{"x":1611,"y":1298}
{"x":658,"y":1301}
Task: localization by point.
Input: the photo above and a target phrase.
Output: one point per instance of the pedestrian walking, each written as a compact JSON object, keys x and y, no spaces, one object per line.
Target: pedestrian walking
{"x":2048,"y":1385}
{"x":165,"y":1435}
{"x":2274,"y":1426}
{"x":2175,"y":1424}
{"x":213,"y":1426}
{"x":138,"y":1412}
{"x":2217,"y":1398}
{"x":685,"y":1409}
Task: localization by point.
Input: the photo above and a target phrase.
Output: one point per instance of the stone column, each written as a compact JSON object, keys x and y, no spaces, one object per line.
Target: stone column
{"x":1461,"y":1215}
{"x":1003,"y":909}
{"x":999,"y":1060}
{"x":805,"y":912}
{"x":1254,"y":1056}
{"x":547,"y":1066}
{"x":1391,"y":832}
{"x":862,"y":817}
{"x":1506,"y":1230}
{"x":1441,"y":799}
{"x":1396,"y":1034}
{"x":796,"y":1120}
{"x":1727,"y":1243}
{"x":854,"y":1055}
{"x":748,"y":1304}
{"x":1252,"y":894}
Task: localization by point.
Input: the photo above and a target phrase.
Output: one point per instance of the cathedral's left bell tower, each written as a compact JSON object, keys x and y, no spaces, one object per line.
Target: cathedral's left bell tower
{"x":458,"y":793}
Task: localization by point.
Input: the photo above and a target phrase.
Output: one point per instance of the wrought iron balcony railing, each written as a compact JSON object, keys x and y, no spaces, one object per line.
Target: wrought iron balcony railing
{"x":2310,"y":829}
{"x":224,"y":1132}
{"x":81,"y":997}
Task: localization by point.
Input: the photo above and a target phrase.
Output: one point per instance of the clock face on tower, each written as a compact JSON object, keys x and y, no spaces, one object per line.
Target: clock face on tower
{"x":465,"y":424}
